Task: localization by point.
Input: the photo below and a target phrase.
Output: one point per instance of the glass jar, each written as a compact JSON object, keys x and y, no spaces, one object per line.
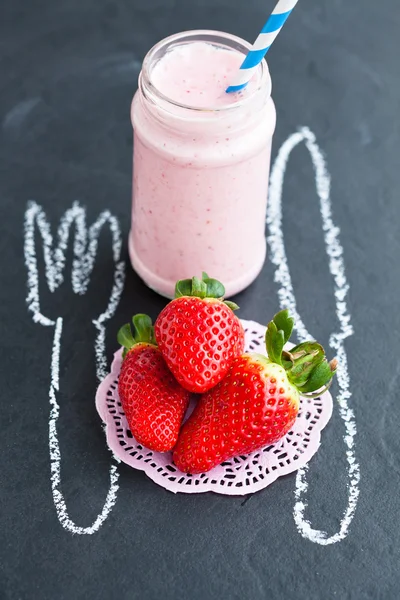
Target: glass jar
{"x":200,"y":173}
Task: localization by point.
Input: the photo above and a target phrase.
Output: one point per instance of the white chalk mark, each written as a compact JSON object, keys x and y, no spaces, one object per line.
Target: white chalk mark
{"x":84,"y":252}
{"x":287,"y":300}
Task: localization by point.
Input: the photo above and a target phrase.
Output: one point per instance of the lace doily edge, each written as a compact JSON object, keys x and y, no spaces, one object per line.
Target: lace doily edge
{"x":115,"y":447}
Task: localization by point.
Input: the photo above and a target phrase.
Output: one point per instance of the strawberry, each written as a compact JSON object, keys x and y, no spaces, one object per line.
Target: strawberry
{"x":198,"y":334}
{"x":257,"y":402}
{"x":153,"y":401}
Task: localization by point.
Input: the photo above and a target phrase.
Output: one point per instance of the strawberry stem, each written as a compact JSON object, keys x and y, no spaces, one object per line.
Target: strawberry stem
{"x":206,"y":287}
{"x":143,"y":333}
{"x":306,"y":365}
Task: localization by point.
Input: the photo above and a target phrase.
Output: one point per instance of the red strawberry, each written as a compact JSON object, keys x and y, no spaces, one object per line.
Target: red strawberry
{"x":199,"y":334}
{"x":257,"y":402}
{"x":153,"y":401}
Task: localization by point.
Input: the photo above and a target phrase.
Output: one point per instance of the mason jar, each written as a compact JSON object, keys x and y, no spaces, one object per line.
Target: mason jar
{"x":200,"y":164}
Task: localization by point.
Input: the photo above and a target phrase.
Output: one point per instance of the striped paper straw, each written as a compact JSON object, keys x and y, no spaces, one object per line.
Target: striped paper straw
{"x":262,"y":44}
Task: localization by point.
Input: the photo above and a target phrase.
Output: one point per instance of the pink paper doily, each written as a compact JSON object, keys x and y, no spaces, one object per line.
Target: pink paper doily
{"x":238,"y":476}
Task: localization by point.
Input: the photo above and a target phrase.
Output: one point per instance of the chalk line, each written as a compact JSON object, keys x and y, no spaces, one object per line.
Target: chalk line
{"x":287,"y":299}
{"x":84,"y":256}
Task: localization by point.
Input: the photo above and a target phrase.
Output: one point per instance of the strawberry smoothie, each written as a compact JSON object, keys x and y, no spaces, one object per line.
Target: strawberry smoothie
{"x":201,"y":164}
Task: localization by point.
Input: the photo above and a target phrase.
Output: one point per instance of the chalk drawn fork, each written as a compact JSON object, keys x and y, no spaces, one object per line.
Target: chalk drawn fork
{"x":84,"y":256}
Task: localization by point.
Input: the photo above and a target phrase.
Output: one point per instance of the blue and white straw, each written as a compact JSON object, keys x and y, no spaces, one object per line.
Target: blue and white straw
{"x":262,"y":44}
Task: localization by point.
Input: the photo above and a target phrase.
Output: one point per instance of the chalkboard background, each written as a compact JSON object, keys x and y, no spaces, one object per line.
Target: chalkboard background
{"x":68,"y":71}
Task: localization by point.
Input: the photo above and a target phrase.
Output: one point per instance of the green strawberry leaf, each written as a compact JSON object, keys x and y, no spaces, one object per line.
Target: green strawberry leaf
{"x":199,"y":288}
{"x":143,"y":332}
{"x":320,"y":376}
{"x":287,"y":360}
{"x":125,"y":337}
{"x":301,"y":371}
{"x":284,"y":322}
{"x":278,"y":333}
{"x":305,"y":364}
{"x":306,"y":357}
{"x":143,"y":328}
{"x":231,"y":305}
{"x":274,"y":340}
{"x":286,"y":364}
{"x":215,"y":289}
{"x":206,"y":287}
{"x":302,"y":349}
{"x":183,"y":288}
{"x":307,"y":350}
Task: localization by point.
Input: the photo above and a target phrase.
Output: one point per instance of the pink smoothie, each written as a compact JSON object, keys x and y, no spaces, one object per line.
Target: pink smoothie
{"x":198,"y":74}
{"x":200,"y":176}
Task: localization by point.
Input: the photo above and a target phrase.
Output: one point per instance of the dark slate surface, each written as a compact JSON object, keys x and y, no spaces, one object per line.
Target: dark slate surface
{"x":68,"y":72}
